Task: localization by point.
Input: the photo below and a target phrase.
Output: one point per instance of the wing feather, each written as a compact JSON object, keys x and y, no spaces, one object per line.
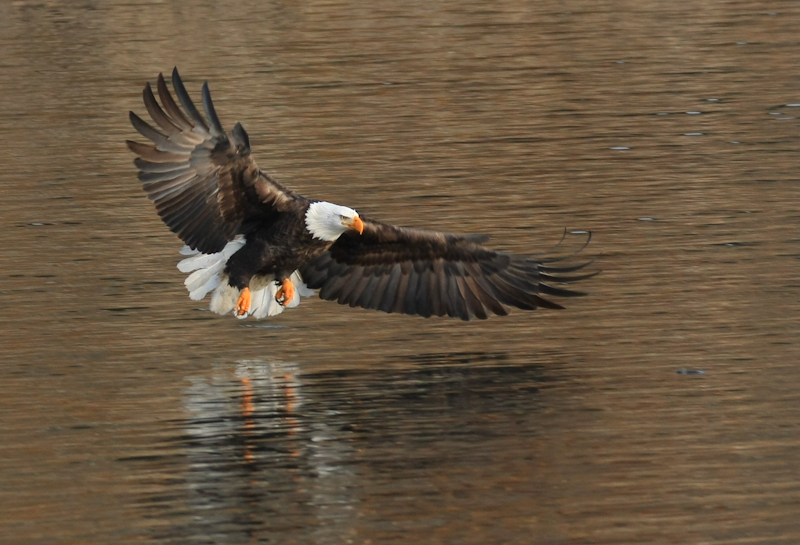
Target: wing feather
{"x":369,"y":290}
{"x":157,"y":114}
{"x":380,"y":290}
{"x":482,"y":289}
{"x":203,"y":182}
{"x":177,"y":116}
{"x":211,"y":113}
{"x":391,"y":289}
{"x":350,"y":282}
{"x":402,"y":286}
{"x":444,"y":299}
{"x":473,"y":304}
{"x":509,"y":295}
{"x":147,"y":166}
{"x":158,"y":138}
{"x":433,"y":293}
{"x":426,"y":273}
{"x":354,"y":300}
{"x":152,"y":176}
{"x":332,"y":287}
{"x":422,"y":299}
{"x":186,"y":101}
{"x":152,"y":155}
{"x":458,"y":309}
{"x":410,"y":295}
{"x":547,"y":289}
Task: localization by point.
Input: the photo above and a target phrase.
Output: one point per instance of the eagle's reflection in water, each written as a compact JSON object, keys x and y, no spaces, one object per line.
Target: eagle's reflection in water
{"x":269,"y":451}
{"x":255,"y":453}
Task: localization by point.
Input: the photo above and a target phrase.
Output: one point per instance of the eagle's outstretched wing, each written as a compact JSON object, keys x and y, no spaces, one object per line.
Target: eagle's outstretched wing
{"x":411,"y":271}
{"x":204,"y":183}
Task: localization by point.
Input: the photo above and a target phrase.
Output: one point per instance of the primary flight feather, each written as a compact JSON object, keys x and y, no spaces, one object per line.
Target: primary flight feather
{"x":257,"y":246}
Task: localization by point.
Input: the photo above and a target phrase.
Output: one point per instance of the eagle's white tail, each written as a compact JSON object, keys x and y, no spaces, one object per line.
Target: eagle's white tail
{"x":208,"y":275}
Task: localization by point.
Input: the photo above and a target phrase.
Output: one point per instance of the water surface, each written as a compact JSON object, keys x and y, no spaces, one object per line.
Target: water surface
{"x":130,"y":414}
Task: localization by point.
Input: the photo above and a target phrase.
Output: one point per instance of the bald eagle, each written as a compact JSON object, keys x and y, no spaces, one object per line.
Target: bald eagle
{"x":257,"y":246}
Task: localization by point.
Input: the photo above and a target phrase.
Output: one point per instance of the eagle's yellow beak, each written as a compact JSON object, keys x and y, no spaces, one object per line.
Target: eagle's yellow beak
{"x":356,"y":225}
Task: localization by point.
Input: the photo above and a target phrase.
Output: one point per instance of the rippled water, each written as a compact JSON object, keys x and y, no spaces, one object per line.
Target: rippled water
{"x":660,"y":409}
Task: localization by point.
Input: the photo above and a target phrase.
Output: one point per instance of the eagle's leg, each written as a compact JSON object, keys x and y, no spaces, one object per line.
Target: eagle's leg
{"x":285,"y":293}
{"x":240,"y":268}
{"x":242,"y":307}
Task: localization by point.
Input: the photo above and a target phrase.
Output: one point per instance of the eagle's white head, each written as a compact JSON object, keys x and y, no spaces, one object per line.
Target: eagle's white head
{"x":328,"y":221}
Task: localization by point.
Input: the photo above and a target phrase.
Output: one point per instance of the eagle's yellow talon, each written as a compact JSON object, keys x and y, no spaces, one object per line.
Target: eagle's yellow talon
{"x":242,"y":307}
{"x":286,"y":293}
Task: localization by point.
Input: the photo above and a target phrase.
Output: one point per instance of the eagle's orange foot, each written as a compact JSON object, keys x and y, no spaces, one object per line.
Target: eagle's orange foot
{"x":286,"y":293}
{"x":242,"y":307}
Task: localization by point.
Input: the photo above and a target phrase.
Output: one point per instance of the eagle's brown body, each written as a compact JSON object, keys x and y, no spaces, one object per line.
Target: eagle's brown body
{"x":277,"y":246}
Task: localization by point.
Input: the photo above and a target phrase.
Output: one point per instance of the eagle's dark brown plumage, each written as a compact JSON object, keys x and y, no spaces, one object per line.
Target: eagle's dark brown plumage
{"x":208,"y":189}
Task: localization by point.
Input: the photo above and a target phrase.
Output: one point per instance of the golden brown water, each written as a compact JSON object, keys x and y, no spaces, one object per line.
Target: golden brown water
{"x":128,"y":415}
